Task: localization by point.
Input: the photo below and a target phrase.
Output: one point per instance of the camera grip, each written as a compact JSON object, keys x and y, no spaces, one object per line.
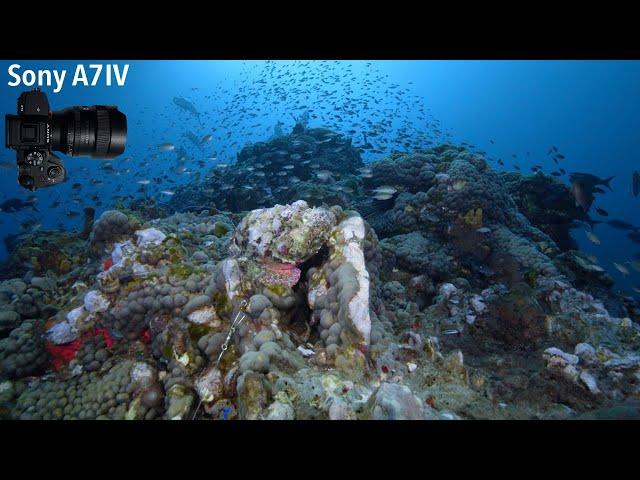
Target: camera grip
{"x":39,"y":168}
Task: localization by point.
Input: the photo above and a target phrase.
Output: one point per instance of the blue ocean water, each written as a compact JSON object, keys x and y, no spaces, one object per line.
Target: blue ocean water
{"x":590,"y":110}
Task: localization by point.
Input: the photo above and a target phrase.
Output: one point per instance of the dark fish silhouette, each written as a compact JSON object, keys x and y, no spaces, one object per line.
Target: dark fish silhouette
{"x":635,"y":183}
{"x":186,"y":105}
{"x":584,"y":185}
{"x":15,"y":205}
{"x":589,"y":179}
{"x":621,"y":225}
{"x":583,"y":194}
{"x":634,"y":236}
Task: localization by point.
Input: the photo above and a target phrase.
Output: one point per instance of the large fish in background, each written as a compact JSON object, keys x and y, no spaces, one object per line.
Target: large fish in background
{"x":584,"y":185}
{"x":186,"y":105}
{"x":583,"y":194}
{"x":589,"y":179}
{"x":635,"y":183}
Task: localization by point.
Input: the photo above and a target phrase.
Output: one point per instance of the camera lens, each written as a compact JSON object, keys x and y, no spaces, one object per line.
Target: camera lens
{"x":98,"y":131}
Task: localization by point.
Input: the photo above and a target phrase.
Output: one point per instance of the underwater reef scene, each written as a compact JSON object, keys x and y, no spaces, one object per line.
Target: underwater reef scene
{"x":303,"y":283}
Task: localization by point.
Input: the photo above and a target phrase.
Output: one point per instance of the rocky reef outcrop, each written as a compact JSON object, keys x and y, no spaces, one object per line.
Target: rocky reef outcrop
{"x":548,"y":204}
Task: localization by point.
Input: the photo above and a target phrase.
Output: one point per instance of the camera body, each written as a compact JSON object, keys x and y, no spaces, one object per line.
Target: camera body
{"x":35,"y":132}
{"x":29,"y":133}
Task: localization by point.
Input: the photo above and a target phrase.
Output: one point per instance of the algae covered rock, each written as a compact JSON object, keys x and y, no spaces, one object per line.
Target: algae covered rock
{"x":396,"y":402}
{"x":23,"y":352}
{"x":9,"y":319}
{"x":284,"y":233}
{"x":109,"y":228}
{"x":253,"y":395}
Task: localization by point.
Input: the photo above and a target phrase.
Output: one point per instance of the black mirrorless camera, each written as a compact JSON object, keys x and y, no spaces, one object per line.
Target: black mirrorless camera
{"x":98,"y":131}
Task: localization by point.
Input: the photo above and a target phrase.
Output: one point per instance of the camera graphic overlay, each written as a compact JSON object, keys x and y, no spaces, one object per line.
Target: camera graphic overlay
{"x":98,"y":131}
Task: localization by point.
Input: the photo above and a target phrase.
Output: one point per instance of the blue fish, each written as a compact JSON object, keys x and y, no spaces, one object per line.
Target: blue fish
{"x":225,"y":413}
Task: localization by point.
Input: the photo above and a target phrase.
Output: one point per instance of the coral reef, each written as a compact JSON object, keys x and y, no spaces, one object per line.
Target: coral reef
{"x":454,"y":294}
{"x":111,"y":225}
{"x":547,"y":203}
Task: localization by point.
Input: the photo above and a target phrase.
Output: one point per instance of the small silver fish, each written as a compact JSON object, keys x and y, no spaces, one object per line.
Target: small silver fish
{"x":166,"y":147}
{"x":621,"y":268}
{"x":592,"y":238}
{"x":383,"y":196}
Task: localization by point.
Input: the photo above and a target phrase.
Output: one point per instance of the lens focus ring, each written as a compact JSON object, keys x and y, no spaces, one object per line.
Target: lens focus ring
{"x":103,"y":132}
{"x":99,"y":131}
